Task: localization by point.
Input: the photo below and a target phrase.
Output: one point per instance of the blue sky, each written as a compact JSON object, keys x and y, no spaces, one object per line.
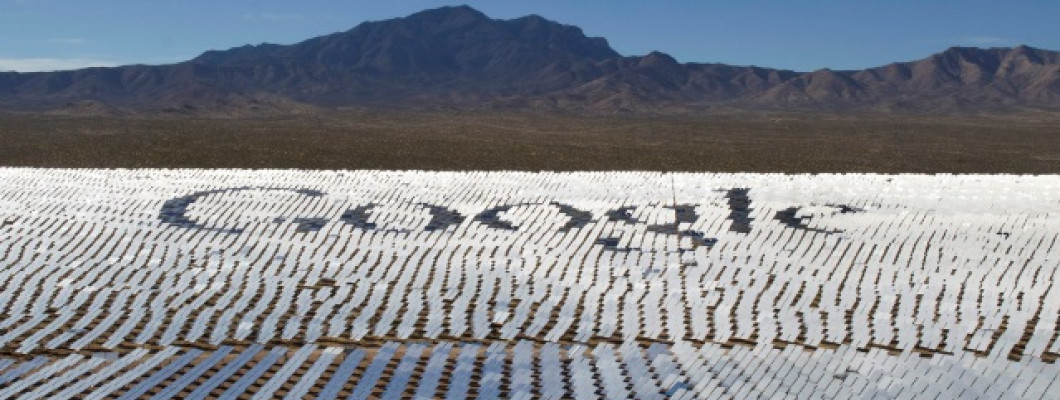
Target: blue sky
{"x":802,"y":35}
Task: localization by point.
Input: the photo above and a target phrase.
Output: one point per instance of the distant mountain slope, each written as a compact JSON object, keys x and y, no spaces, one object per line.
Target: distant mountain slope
{"x":958,"y":79}
{"x":456,"y":57}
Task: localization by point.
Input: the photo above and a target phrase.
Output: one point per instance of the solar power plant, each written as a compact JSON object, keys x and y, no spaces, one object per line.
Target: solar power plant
{"x":194,"y":284}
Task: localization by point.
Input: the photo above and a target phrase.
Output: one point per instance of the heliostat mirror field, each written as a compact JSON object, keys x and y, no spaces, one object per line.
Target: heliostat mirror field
{"x":386,"y":284}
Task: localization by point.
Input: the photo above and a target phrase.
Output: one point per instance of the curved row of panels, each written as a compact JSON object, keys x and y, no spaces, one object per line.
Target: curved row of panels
{"x":147,"y":264}
{"x":519,"y":370}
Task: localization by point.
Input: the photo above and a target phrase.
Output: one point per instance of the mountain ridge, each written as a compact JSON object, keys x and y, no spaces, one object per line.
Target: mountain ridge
{"x":457,"y":57}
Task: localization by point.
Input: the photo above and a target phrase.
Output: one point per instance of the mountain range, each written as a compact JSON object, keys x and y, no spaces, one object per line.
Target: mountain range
{"x":459,"y":58}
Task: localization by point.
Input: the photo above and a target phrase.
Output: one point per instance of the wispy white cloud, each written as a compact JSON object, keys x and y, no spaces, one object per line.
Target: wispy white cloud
{"x":275,"y":16}
{"x":68,"y":40}
{"x":50,"y":64}
{"x":985,"y":41}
